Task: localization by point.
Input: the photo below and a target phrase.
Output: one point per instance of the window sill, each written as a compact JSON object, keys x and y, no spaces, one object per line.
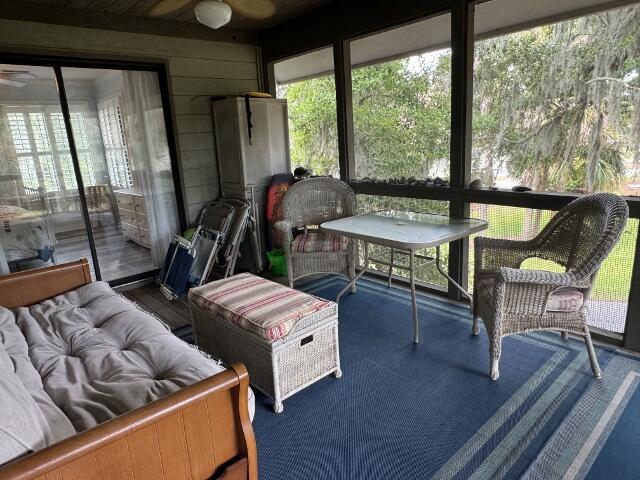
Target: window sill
{"x":537,"y":200}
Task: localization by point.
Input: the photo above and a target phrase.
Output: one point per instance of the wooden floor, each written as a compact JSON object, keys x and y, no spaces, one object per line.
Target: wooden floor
{"x":118,"y":258}
{"x":149,"y":298}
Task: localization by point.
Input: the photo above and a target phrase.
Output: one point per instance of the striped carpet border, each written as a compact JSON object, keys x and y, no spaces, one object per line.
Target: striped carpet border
{"x":572,"y":448}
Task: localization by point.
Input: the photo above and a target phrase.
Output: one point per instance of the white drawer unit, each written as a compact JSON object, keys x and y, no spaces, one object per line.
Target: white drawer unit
{"x":133,"y":216}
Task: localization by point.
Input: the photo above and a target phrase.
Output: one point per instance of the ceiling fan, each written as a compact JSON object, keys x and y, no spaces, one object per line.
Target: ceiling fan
{"x":12,"y":78}
{"x":216,"y":13}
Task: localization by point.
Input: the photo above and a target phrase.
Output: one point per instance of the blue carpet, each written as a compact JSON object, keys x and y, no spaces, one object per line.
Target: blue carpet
{"x":430,"y":411}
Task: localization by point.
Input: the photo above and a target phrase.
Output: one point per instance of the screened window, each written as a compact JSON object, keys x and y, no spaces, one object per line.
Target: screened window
{"x":610,"y":294}
{"x":311,"y":103}
{"x":401,"y":101}
{"x":556,"y":107}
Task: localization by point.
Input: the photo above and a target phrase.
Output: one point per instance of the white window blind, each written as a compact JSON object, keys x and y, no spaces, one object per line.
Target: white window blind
{"x":115,"y":142}
{"x":28,"y":171}
{"x":42,"y":147}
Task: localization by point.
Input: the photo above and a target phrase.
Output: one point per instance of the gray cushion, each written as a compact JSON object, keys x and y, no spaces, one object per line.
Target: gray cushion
{"x":20,"y":418}
{"x":20,"y":427}
{"x":99,"y":356}
{"x":15,"y":359}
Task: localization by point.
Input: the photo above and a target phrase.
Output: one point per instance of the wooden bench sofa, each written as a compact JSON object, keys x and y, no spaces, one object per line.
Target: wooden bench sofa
{"x":201,"y":431}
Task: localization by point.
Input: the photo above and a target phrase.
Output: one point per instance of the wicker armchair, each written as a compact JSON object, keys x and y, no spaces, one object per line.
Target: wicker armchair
{"x":510,"y":300}
{"x":305,"y":206}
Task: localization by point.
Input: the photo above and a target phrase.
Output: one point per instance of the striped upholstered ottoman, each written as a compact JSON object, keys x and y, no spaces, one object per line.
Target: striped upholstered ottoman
{"x":287,"y":339}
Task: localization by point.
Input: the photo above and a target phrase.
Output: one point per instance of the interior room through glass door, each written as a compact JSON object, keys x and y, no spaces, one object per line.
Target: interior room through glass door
{"x":118,"y":125}
{"x":40,"y":211}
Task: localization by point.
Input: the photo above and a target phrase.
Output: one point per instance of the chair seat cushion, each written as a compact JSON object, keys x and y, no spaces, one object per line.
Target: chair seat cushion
{"x":316,"y":242}
{"x":565,"y":299}
{"x":257,"y":305}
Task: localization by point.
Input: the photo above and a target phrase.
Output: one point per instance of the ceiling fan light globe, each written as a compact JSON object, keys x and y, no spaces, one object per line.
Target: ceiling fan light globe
{"x":213,"y":13}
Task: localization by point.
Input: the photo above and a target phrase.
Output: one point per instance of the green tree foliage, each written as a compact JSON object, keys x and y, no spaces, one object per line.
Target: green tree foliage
{"x":555,"y":107}
{"x":402,"y":116}
{"x":313,"y":133}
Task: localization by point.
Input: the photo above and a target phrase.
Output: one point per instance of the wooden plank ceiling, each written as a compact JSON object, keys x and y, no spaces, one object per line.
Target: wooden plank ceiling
{"x":243,"y":18}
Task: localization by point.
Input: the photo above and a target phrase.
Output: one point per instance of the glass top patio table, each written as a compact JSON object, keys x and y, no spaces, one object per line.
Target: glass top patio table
{"x":405,"y":230}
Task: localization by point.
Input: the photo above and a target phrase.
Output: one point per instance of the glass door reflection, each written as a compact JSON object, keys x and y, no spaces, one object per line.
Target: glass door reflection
{"x":41,"y":216}
{"x":117,"y":119}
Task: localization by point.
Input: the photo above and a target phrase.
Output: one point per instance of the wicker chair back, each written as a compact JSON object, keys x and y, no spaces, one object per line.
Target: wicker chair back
{"x":311,"y":202}
{"x":581,"y":235}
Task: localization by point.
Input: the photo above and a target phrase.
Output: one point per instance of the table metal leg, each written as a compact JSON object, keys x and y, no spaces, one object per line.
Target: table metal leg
{"x":414,"y":305}
{"x":446,"y":275}
{"x":360,"y":273}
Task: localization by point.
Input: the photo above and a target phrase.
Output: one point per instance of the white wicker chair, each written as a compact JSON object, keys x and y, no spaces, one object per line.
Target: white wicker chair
{"x":305,"y":206}
{"x":511,"y":300}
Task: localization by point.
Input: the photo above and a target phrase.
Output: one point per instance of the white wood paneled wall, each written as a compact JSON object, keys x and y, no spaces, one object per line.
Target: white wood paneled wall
{"x":198,"y":69}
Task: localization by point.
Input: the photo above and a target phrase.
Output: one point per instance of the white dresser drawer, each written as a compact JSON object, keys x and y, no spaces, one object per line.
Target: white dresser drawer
{"x":140,"y":205}
{"x":145,"y":240}
{"x":131,"y":232}
{"x":143,"y":220}
{"x":128,"y":216}
{"x":125,"y":202}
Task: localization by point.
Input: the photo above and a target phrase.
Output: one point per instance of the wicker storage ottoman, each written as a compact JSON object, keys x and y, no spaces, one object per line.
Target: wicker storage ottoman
{"x":287,"y":339}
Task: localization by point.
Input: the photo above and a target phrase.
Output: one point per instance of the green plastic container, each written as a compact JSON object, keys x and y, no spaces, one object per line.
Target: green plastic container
{"x":188,"y":233}
{"x":278,"y":262}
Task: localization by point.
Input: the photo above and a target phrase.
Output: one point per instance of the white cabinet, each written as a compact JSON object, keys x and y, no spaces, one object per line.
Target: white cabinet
{"x":246,"y":164}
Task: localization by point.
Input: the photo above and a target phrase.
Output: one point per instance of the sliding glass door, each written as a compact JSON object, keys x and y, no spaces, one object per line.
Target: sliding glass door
{"x":93,"y":155}
{"x":39,"y":209}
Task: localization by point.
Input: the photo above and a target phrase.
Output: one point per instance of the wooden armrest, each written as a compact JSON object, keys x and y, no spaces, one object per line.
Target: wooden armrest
{"x":199,"y":432}
{"x":34,"y":286}
{"x":237,"y":471}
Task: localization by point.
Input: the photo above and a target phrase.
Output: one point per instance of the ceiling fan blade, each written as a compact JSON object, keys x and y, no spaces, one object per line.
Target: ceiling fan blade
{"x":17,"y":75}
{"x":22,"y":75}
{"x":165,"y":7}
{"x":11,"y":83}
{"x":257,"y":9}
